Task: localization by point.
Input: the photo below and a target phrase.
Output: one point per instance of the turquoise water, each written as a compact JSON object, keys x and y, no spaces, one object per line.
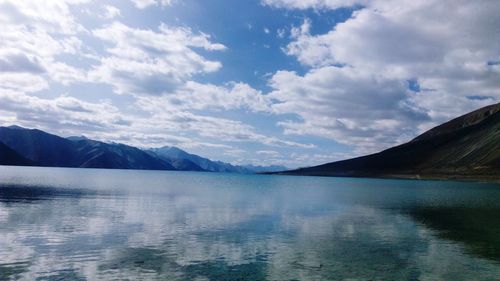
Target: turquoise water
{"x":90,"y":224}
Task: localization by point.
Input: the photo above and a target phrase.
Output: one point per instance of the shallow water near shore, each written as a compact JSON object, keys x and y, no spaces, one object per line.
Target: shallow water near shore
{"x":96,"y":224}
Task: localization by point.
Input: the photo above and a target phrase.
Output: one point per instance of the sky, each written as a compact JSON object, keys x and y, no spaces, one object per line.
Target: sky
{"x":270,"y":82}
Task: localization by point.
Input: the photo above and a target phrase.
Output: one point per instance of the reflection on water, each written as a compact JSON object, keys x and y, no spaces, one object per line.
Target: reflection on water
{"x":476,"y":227}
{"x":84,"y":224}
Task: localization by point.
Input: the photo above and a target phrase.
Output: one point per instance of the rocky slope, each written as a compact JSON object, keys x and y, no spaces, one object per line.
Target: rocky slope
{"x":467,"y":147}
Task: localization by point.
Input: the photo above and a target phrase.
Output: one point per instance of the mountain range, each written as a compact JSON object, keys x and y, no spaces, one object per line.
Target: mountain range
{"x":467,"y":147}
{"x":32,"y":147}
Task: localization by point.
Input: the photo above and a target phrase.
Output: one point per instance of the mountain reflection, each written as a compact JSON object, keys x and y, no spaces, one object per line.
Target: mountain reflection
{"x":13,"y":193}
{"x":477,"y":228}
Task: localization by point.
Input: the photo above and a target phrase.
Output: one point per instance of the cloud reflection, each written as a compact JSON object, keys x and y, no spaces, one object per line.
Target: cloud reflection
{"x":233,"y":228}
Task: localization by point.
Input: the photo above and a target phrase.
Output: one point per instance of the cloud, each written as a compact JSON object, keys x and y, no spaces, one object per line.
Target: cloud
{"x":146,"y":62}
{"x":289,"y":159}
{"x":313,"y":4}
{"x":269,"y":153}
{"x":281,"y":32}
{"x":141,"y":4}
{"x":356,"y":89}
{"x":346,"y":105}
{"x":111,"y":12}
{"x":157,"y":66}
{"x":232,"y":96}
{"x":25,"y":82}
{"x":19,"y":62}
{"x":51,"y":15}
{"x":34,"y":34}
{"x":67,"y":115}
{"x":390,"y":71}
{"x":163,"y":118}
{"x":63,"y":114}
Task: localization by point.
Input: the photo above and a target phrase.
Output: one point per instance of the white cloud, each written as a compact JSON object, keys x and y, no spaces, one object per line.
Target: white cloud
{"x":228,"y":97}
{"x":269,"y":153}
{"x":63,"y":114}
{"x":25,"y":82}
{"x":157,"y":66}
{"x":66,"y":115}
{"x":141,"y":4}
{"x":50,"y":15}
{"x":313,"y":4}
{"x":143,"y":61}
{"x":442,"y":45}
{"x":346,"y":105}
{"x":281,"y":32}
{"x":111,"y":12}
{"x":163,"y":117}
{"x":14,"y":61}
{"x":34,"y":34}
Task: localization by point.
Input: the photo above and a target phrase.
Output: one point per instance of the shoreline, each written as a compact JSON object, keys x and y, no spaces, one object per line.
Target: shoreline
{"x":438,"y":177}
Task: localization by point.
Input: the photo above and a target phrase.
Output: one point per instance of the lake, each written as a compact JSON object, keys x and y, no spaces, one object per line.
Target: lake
{"x":96,"y":224}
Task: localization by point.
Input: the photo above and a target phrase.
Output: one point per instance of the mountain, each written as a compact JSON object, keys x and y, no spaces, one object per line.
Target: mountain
{"x":77,"y":138}
{"x":53,"y":151}
{"x":178,"y":162}
{"x":21,"y":146}
{"x":205,"y":164}
{"x":8,"y":156}
{"x":185,"y":165}
{"x":95,"y":154}
{"x":175,"y":153}
{"x":41,"y":147}
{"x":467,"y":147}
{"x":264,"y":169}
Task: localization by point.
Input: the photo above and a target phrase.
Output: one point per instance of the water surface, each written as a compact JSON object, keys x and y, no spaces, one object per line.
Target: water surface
{"x":91,"y":224}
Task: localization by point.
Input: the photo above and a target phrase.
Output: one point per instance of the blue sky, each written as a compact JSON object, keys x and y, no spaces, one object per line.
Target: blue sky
{"x":284,"y":82}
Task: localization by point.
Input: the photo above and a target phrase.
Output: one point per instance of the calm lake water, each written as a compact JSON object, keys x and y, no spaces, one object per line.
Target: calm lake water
{"x":90,"y":224}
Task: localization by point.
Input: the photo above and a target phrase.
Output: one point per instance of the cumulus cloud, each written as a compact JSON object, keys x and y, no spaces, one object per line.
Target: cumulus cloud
{"x":45,"y":46}
{"x":390,"y":71}
{"x":344,"y":104}
{"x":34,"y":34}
{"x":356,"y":91}
{"x":146,"y":62}
{"x":198,"y":96}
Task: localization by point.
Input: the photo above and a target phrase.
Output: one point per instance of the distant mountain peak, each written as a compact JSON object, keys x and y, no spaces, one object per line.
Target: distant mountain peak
{"x":77,"y":138}
{"x":172,"y":149}
{"x":174,"y":153}
{"x":16,"y":127}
